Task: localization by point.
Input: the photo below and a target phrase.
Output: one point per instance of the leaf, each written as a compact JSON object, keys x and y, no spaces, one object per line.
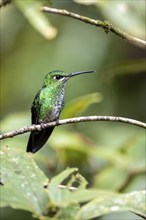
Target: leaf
{"x":80,"y":104}
{"x":23,"y":187}
{"x":107,"y":203}
{"x":59,"y":195}
{"x":71,"y":147}
{"x":125,"y":164}
{"x":104,"y":179}
{"x":61,"y":177}
{"x":32,"y":11}
{"x":124,"y":67}
{"x":11,"y":122}
{"x":22,"y":183}
{"x":68,"y":212}
{"x":85,"y":195}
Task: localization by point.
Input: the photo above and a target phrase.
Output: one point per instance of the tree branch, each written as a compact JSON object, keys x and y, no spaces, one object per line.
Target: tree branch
{"x":4,"y":2}
{"x":69,"y":121}
{"x":106,"y":25}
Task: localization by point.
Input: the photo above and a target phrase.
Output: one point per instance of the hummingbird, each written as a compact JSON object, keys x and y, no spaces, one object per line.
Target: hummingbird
{"x":47,"y":106}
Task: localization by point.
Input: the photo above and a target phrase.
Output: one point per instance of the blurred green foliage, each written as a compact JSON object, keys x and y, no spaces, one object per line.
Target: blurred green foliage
{"x":26,"y":187}
{"x":110,"y":156}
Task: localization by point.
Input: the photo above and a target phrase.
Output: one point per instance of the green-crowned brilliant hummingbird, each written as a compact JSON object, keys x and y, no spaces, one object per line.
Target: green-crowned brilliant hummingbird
{"x":47,"y":106}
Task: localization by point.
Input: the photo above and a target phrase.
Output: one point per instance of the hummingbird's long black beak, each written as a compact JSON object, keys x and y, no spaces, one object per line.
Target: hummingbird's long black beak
{"x":82,"y":72}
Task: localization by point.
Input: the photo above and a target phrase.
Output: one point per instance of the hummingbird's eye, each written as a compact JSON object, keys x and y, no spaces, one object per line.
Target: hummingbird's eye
{"x":57,"y":77}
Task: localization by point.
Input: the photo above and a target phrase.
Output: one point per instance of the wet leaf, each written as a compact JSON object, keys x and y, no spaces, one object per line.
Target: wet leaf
{"x":22,"y":182}
{"x":107,"y":203}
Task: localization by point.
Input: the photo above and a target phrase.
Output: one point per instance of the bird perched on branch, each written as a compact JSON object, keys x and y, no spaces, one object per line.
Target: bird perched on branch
{"x":47,"y":106}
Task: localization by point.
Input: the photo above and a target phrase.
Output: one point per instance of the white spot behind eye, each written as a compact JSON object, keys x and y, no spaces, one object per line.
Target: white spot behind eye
{"x":57,"y":77}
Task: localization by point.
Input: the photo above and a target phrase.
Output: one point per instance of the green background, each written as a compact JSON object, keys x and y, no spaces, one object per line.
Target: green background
{"x":26,"y":56}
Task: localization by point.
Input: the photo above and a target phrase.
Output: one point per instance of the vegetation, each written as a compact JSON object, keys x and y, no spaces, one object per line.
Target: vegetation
{"x":87,"y":170}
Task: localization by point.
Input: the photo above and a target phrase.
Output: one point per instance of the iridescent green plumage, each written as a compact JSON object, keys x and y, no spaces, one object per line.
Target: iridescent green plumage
{"x":47,"y":106}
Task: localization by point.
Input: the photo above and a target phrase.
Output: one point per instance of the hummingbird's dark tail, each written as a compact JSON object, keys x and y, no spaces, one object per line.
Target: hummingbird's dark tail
{"x":37,"y":139}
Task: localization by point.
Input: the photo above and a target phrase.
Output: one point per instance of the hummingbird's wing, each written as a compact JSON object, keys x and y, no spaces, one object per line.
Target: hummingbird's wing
{"x":37,"y":138}
{"x":35,"y":108}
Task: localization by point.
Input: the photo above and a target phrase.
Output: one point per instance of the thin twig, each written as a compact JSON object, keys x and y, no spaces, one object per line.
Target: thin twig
{"x":69,"y":121}
{"x":106,"y":25}
{"x":71,"y":188}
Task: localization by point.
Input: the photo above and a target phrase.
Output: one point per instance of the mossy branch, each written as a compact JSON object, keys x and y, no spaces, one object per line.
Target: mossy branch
{"x":106,"y":25}
{"x":69,"y":121}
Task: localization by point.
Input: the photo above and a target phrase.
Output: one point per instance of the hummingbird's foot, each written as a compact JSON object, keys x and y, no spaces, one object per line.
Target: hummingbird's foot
{"x":57,"y":122}
{"x":42,"y":126}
